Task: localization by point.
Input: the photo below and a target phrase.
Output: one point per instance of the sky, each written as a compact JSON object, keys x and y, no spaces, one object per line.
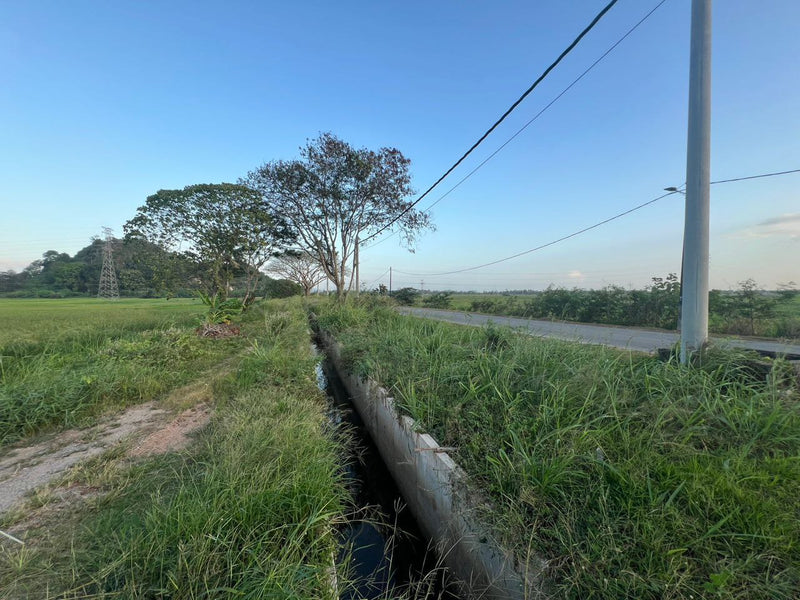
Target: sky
{"x":104,"y":103}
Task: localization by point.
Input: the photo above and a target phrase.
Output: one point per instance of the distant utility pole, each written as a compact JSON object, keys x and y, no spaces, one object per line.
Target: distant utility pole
{"x":108,"y":275}
{"x":694,"y":291}
{"x":390,"y":281}
{"x":358,"y":267}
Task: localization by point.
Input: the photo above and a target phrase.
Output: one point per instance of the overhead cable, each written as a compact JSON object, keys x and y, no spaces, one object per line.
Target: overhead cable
{"x":756,"y":176}
{"x":516,"y":103}
{"x":378,"y":278}
{"x":585,"y":229}
{"x":534,"y":118}
{"x":561,"y":239}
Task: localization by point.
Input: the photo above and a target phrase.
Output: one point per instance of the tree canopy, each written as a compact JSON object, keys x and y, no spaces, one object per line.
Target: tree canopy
{"x":299,"y":267}
{"x":226,"y":228}
{"x":335,"y":196}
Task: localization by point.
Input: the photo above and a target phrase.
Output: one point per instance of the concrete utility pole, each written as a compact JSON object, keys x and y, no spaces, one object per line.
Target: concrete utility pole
{"x":390,"y":281}
{"x":694,"y":292}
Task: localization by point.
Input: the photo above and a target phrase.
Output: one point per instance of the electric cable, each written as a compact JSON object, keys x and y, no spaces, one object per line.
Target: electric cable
{"x":603,"y":222}
{"x":534,"y":118}
{"x":551,"y":243}
{"x":756,"y":176}
{"x":502,"y":118}
{"x":378,"y":278}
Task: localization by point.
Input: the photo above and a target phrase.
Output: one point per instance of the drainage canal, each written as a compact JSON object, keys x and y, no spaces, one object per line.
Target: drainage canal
{"x":388,"y":553}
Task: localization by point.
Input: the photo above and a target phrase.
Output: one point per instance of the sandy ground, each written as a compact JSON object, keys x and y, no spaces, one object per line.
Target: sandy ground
{"x":29,"y":465}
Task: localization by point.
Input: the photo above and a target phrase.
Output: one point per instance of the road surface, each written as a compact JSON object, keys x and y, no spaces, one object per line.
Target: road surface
{"x":628,"y":338}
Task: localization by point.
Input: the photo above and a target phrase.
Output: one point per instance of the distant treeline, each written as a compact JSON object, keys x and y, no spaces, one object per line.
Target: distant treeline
{"x":143,"y":270}
{"x":746,"y":310}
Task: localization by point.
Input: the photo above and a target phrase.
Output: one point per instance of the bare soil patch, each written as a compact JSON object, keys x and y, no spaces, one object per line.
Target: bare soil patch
{"x":26,"y":468}
{"x":175,"y":435}
{"x":30,"y":465}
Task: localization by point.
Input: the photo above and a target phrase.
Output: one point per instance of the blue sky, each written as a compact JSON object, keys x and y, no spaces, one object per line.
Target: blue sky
{"x":104,"y":103}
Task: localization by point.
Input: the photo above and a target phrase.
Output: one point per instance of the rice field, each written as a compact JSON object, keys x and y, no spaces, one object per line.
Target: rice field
{"x":63,"y":362}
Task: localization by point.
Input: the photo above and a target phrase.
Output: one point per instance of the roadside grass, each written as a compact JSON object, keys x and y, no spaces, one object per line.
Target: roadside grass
{"x":784,"y":323}
{"x":249,"y":511}
{"x":63,"y":362}
{"x":635,"y":478}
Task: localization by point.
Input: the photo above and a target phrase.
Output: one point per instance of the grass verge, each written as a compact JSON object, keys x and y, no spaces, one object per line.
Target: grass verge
{"x":636,"y":478}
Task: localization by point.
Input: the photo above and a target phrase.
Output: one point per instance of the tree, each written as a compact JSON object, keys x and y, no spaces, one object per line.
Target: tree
{"x":299,"y":267}
{"x":787,"y":291}
{"x":10,"y":281}
{"x":438,"y":300}
{"x":406,"y":295}
{"x":752,"y":304}
{"x":337,"y":196}
{"x":225,"y":228}
{"x":665,"y":301}
{"x":280,"y":288}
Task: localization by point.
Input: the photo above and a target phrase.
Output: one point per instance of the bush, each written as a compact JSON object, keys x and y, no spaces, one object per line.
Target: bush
{"x":407,"y":296}
{"x":438,"y":300}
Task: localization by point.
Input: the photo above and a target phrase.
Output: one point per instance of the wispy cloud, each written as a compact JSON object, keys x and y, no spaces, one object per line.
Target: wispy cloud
{"x":575,"y":275}
{"x":787,"y":225}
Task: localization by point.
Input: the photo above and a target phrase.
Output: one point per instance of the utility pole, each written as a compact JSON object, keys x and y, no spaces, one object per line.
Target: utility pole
{"x":108,"y":288}
{"x":694,"y":291}
{"x":358,"y":267}
{"x":390,"y":281}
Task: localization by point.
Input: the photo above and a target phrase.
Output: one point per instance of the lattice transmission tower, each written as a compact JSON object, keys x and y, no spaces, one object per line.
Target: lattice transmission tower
{"x":108,"y":275}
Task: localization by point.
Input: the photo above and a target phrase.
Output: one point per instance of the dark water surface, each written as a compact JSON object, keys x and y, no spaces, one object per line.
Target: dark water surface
{"x":388,"y":552}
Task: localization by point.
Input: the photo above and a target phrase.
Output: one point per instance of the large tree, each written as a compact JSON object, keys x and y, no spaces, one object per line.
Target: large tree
{"x":336,"y":196}
{"x":226,"y":228}
{"x":300,"y":267}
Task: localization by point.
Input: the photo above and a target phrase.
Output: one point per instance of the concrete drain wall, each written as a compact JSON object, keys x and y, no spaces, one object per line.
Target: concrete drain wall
{"x":436,"y":491}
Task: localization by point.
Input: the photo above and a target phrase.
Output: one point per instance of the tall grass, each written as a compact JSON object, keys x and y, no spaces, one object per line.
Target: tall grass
{"x":72,"y":360}
{"x":636,"y":478}
{"x":250,"y":512}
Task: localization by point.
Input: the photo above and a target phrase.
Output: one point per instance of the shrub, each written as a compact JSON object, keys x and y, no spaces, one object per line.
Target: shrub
{"x":406,"y":296}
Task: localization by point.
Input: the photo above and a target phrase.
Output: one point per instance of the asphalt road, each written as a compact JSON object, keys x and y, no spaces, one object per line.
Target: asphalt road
{"x":628,"y":338}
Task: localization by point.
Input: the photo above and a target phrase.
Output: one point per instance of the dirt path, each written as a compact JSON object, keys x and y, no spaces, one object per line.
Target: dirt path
{"x":30,"y":465}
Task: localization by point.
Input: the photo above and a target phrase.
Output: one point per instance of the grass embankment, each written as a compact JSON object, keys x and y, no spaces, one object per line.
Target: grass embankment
{"x":247,"y":512}
{"x":636,"y":478}
{"x":63,"y":362}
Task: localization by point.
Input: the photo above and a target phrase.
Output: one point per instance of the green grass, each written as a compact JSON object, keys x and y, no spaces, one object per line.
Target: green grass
{"x":635,"y":478}
{"x":782,"y":322}
{"x":42,"y":321}
{"x":63,"y":362}
{"x":249,"y":512}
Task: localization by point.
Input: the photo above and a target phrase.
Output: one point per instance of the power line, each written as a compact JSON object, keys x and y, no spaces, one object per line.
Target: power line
{"x":549,"y":104}
{"x":756,"y":176}
{"x":536,"y":116}
{"x":585,"y":229}
{"x":503,"y":117}
{"x":378,"y":278}
{"x":561,"y":239}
